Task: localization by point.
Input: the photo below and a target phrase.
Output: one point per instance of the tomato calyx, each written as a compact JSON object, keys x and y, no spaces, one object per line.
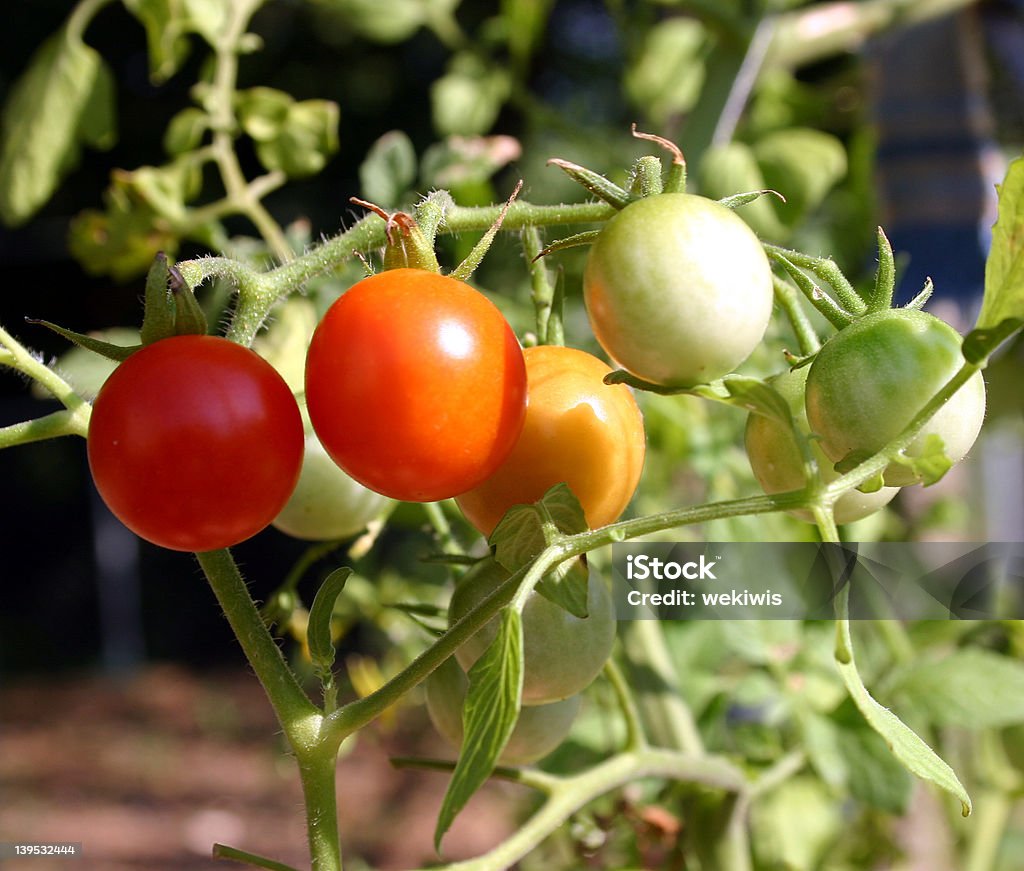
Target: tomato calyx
{"x":170,"y":309}
{"x":407,"y":245}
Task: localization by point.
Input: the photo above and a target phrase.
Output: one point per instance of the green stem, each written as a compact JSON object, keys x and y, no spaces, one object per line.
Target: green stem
{"x":568,"y":795}
{"x":635,"y":739}
{"x":300,"y":719}
{"x":222,"y":851}
{"x":543,"y":291}
{"x":992,"y":817}
{"x":653,"y":678}
{"x":223,"y":123}
{"x":298,"y":715}
{"x":788,"y":300}
{"x":81,"y":17}
{"x":51,"y":426}
{"x":318,"y":771}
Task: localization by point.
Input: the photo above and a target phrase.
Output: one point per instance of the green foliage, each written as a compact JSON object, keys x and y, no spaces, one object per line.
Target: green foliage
{"x":63,"y":101}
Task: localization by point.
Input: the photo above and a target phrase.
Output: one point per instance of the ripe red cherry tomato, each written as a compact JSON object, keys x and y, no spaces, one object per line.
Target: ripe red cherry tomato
{"x":195,"y":443}
{"x":416,"y":385}
{"x":578,"y":430}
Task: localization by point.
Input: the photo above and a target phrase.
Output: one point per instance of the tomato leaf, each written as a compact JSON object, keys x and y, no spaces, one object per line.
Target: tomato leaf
{"x":63,"y":100}
{"x":525,"y":531}
{"x":728,"y":168}
{"x":466,"y":100}
{"x":915,"y":755}
{"x":306,"y":140}
{"x":1004,"y":270}
{"x":970,"y":688}
{"x":318,"y":633}
{"x":389,"y":170}
{"x":488,"y":718}
{"x":873,"y":775}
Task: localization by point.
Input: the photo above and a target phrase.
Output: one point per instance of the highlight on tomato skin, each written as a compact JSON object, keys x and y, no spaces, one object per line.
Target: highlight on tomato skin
{"x":416,"y":385}
{"x":578,"y":430}
{"x":195,"y":443}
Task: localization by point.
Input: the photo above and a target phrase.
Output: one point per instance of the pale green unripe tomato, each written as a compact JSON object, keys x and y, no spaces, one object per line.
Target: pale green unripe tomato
{"x":678,"y":289}
{"x":562,"y":653}
{"x":327,"y":503}
{"x":777,"y":460}
{"x":871,"y":378}
{"x":539,"y":729}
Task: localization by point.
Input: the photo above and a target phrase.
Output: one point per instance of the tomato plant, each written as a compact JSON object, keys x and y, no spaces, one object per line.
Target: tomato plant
{"x":869,"y":380}
{"x":416,"y":385}
{"x":195,"y":443}
{"x":327,"y":503}
{"x":539,"y":729}
{"x":678,"y":289}
{"x":778,"y":462}
{"x":562,"y":653}
{"x":578,"y":430}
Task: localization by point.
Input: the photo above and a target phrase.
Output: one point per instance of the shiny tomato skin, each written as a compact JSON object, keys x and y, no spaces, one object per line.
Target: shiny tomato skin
{"x":578,"y":430}
{"x":678,"y":289}
{"x":416,"y":385}
{"x":872,"y":377}
{"x":195,"y":443}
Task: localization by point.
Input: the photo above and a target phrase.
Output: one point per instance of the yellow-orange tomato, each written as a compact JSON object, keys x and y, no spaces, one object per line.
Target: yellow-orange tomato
{"x":578,"y":430}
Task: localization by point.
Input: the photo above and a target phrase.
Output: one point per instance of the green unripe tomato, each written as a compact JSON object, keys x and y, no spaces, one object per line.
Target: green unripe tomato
{"x":777,"y":460}
{"x":871,"y":378}
{"x":678,"y":289}
{"x":539,"y":729}
{"x":562,"y":653}
{"x":327,"y":503}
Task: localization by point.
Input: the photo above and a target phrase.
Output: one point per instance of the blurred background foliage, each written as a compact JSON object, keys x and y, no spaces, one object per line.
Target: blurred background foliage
{"x":388,"y":99}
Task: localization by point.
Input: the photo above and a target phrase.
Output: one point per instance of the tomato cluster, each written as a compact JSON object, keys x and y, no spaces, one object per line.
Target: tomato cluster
{"x":418,"y":390}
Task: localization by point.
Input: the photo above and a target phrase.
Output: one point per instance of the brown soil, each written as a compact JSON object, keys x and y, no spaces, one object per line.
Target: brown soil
{"x":147,"y":773}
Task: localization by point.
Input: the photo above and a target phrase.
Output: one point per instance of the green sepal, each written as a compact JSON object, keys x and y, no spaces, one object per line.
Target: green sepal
{"x":468,"y":266}
{"x":318,"y":632}
{"x":917,"y":303}
{"x":596,"y":183}
{"x":189,"y":317}
{"x":885,"y":277}
{"x":159,"y":310}
{"x":737,"y":200}
{"x":574,"y":241}
{"x":104,"y":349}
{"x":741,"y":391}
